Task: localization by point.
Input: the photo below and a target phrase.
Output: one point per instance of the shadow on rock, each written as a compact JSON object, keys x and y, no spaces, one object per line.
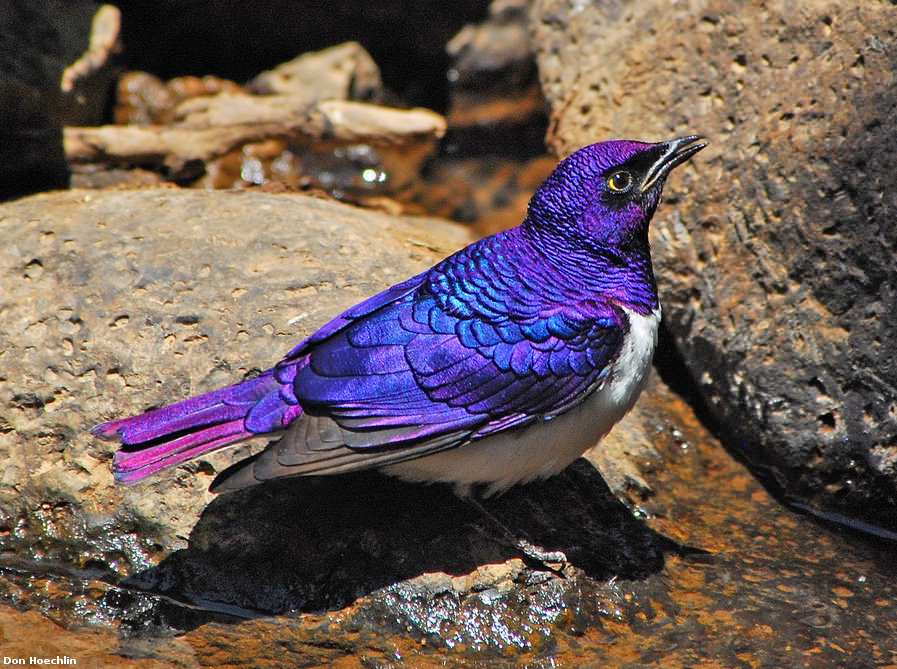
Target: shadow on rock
{"x":320,"y":543}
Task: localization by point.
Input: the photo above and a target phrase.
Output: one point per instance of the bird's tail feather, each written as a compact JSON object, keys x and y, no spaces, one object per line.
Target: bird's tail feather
{"x":174,"y":434}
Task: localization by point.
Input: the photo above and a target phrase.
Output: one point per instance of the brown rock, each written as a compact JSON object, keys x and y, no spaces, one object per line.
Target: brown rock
{"x":776,"y":264}
{"x":342,"y":72}
{"x":210,"y":128}
{"x":144,"y":99}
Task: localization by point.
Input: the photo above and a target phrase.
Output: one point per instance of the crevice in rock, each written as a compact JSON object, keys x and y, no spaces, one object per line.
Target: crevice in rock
{"x":789,"y":487}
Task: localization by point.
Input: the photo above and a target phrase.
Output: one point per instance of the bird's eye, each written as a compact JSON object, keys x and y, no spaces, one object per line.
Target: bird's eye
{"x":619,"y":182}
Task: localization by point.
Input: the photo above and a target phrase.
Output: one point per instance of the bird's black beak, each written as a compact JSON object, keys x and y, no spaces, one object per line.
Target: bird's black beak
{"x":672,"y":153}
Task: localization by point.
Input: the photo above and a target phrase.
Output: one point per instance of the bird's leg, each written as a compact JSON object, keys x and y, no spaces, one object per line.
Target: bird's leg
{"x":529,"y":550}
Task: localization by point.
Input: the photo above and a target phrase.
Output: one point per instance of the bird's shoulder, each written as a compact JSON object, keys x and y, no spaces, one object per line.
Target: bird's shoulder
{"x":493,"y":293}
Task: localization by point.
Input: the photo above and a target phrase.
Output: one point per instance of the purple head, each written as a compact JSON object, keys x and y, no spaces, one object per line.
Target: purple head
{"x":602,"y":197}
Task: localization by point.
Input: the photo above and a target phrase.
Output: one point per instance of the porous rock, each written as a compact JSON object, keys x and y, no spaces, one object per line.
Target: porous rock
{"x":776,"y":252}
{"x":115,"y":302}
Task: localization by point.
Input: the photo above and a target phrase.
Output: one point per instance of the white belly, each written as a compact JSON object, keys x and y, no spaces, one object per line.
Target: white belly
{"x":545,"y":448}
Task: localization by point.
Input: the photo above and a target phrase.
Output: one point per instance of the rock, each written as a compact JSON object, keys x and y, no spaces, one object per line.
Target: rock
{"x":144,"y":99}
{"x":209,"y":128}
{"x":54,"y":69}
{"x":26,"y":635}
{"x":87,"y":83}
{"x":776,"y":261}
{"x":342,"y":72}
{"x":493,"y":78}
{"x":117,"y":301}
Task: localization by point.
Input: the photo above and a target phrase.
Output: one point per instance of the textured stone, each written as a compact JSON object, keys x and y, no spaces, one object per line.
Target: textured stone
{"x":776,"y":260}
{"x":114,"y":302}
{"x":342,"y":72}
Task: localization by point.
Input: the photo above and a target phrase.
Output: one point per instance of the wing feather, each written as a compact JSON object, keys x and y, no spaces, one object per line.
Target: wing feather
{"x":444,"y":359}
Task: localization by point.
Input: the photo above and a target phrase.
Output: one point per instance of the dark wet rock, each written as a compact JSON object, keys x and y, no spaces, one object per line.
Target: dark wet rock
{"x":777,"y":259}
{"x":55,"y":68}
{"x":495,"y":100}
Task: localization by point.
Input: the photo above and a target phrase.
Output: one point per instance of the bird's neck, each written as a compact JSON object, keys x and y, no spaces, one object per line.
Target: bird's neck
{"x":625,"y":276}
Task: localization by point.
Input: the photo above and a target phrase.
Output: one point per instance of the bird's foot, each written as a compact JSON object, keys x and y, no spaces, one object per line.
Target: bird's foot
{"x":553,"y":561}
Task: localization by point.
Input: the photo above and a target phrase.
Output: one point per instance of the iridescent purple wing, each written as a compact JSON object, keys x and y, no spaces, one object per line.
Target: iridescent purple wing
{"x":465,"y":354}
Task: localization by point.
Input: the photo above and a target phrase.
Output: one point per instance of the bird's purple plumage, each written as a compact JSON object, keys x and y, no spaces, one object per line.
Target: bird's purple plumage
{"x":515,"y":327}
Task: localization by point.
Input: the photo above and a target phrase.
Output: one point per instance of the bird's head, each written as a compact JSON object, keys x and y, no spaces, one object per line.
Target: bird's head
{"x":604,"y":195}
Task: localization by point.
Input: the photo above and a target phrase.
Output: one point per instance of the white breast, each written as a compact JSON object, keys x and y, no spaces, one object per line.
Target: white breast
{"x":545,"y":448}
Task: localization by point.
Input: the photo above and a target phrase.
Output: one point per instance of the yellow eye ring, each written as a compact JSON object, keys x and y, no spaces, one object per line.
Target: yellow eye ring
{"x":619,"y":182}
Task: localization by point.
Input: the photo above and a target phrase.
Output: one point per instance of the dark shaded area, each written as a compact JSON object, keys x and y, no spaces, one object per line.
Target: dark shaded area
{"x":312,"y":544}
{"x":37,"y":41}
{"x":497,"y":142}
{"x":237,"y":40}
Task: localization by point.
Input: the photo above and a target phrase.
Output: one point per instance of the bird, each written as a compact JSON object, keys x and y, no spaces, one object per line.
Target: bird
{"x":499,"y":365}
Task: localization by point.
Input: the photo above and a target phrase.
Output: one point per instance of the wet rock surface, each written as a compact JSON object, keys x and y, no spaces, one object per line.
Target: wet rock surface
{"x":777,"y":259}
